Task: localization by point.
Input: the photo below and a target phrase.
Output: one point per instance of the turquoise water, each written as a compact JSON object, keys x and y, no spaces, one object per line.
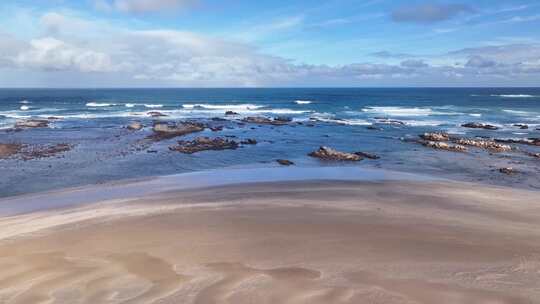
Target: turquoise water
{"x":94,"y":121}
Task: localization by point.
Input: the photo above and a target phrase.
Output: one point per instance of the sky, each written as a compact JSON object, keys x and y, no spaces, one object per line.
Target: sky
{"x":269,"y":43}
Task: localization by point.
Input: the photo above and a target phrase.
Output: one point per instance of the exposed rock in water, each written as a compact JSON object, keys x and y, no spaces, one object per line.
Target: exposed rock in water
{"x":156,"y":114}
{"x":283,"y":119}
{"x":165,"y":130}
{"x":230,"y":113}
{"x":203,"y":144}
{"x":249,"y":141}
{"x":367,"y":155}
{"x":435,"y":136}
{"x":8,"y":150}
{"x":373,"y":128}
{"x":478,"y":125}
{"x":45,"y":151}
{"x":135,"y":126}
{"x":508,"y":171}
{"x":267,"y":121}
{"x":484,"y":144}
{"x":388,"y":121}
{"x":216,"y":129}
{"x":31,"y":123}
{"x":523,"y":141}
{"x":327,"y":153}
{"x":284,"y":162}
{"x":444,"y":146}
{"x":521,"y":126}
{"x":537,"y":155}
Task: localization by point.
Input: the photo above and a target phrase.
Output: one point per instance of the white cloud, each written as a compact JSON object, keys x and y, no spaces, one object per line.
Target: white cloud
{"x":142,"y":6}
{"x":75,"y":51}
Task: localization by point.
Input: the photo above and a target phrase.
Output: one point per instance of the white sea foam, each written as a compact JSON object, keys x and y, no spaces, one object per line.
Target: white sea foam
{"x":98,"y":104}
{"x":227,"y":107}
{"x":25,"y":108}
{"x":421,"y":123}
{"x":24,"y":102}
{"x":516,"y":112}
{"x":515,"y":96}
{"x":475,"y":115}
{"x":303,"y":102}
{"x":348,"y":122}
{"x":400,"y":111}
{"x":130,"y":105}
{"x":153,"y":106}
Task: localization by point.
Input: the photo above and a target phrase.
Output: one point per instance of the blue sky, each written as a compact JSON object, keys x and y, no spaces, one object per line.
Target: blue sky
{"x":209,"y":43}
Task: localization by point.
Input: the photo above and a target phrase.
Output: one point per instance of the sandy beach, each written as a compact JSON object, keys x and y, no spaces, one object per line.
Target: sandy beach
{"x":281,"y":242}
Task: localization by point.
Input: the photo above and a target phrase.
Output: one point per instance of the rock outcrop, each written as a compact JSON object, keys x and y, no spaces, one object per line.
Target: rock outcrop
{"x":326,"y":153}
{"x":444,"y":146}
{"x":279,"y":121}
{"x":203,"y":144}
{"x":435,"y":136}
{"x":484,"y":144}
{"x":230,"y":113}
{"x":478,"y":125}
{"x":165,"y":130}
{"x":508,"y":171}
{"x":8,"y":150}
{"x":31,"y":123}
{"x":249,"y":141}
{"x":156,"y":114}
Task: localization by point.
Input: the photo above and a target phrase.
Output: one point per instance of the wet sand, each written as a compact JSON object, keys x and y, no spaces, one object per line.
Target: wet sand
{"x":281,"y":242}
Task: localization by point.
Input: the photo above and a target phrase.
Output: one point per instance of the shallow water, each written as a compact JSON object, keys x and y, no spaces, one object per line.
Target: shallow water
{"x":94,"y":121}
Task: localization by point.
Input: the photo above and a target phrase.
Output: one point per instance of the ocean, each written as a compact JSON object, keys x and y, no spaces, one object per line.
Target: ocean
{"x":383,"y":121}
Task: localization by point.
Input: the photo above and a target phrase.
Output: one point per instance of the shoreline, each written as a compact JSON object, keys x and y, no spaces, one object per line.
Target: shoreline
{"x":391,"y":241}
{"x":129,"y":189}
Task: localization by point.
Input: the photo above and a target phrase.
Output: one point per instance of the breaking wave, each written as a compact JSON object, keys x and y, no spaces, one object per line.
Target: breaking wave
{"x":303,"y":102}
{"x":98,"y":104}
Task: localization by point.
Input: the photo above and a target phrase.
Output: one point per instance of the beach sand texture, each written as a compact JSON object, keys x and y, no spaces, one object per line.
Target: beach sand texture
{"x":295,"y":242}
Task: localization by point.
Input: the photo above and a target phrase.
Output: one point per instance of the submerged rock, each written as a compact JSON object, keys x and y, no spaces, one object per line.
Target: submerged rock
{"x":367,"y":155}
{"x":267,"y":121}
{"x":522,"y":141}
{"x":203,"y":144}
{"x":484,"y":144}
{"x":249,"y":141}
{"x":135,"y":126}
{"x":435,"y":136}
{"x":444,"y":146}
{"x":8,"y":150}
{"x":34,"y":152}
{"x":327,"y":153}
{"x":508,"y":170}
{"x":284,"y":162}
{"x":31,"y":123}
{"x":478,"y":125}
{"x":156,"y":114}
{"x":165,"y":130}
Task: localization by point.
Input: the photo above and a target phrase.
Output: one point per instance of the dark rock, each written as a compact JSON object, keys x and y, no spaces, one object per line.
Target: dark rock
{"x":435,"y":136}
{"x":249,"y":141}
{"x":367,"y":155}
{"x":165,"y":130}
{"x":31,"y":123}
{"x":203,"y":144}
{"x":444,"y":146}
{"x":230,"y":113}
{"x":39,"y":151}
{"x":537,"y":155}
{"x":156,"y":114}
{"x":327,"y":153}
{"x":216,"y":129}
{"x":284,"y":162}
{"x":521,"y":126}
{"x":283,"y":119}
{"x":374,"y":128}
{"x":478,"y":125}
{"x":151,"y":151}
{"x":267,"y":121}
{"x":508,"y":170}
{"x":135,"y":126}
{"x":383,"y":120}
{"x":522,"y":141}
{"x":218,"y":119}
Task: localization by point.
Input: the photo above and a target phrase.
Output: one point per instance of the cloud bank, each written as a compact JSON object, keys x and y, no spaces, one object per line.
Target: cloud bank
{"x":429,"y":12}
{"x":73,"y":51}
{"x":142,"y":6}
